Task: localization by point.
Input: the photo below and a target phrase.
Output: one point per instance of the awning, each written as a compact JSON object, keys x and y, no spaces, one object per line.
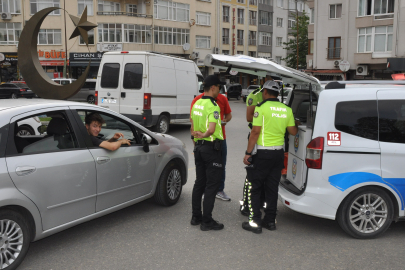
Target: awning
{"x":84,"y":63}
{"x":52,"y":63}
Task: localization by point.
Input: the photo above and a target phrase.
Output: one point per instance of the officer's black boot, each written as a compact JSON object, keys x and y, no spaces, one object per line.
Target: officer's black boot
{"x":254,"y":228}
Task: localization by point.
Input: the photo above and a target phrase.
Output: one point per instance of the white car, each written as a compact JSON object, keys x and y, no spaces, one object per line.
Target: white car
{"x":29,"y":126}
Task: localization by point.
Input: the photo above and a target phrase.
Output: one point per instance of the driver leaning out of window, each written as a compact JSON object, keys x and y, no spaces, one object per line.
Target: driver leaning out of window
{"x":93,"y":125}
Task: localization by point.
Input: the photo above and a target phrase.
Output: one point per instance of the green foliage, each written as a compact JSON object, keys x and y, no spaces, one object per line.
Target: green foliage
{"x":291,"y":46}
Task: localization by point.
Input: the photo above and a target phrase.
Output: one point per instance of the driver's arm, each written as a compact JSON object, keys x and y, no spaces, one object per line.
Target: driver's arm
{"x":112,"y":146}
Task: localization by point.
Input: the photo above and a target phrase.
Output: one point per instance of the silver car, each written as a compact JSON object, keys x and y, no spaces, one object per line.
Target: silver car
{"x":56,"y":180}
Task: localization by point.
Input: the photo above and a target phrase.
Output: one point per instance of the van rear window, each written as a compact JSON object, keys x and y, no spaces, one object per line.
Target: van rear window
{"x":133,"y":76}
{"x":110,"y":75}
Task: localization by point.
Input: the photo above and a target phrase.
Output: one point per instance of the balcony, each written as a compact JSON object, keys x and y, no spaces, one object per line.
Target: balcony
{"x":225,"y":40}
{"x":252,"y":21}
{"x":241,"y":20}
{"x":240,"y":41}
{"x":225,"y":18}
{"x":333,"y":53}
{"x":252,"y":42}
{"x":123,"y":13}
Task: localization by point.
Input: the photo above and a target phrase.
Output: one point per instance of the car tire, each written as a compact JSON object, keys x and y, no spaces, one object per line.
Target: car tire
{"x":162,"y":125}
{"x":91,"y":99}
{"x":25,"y":130}
{"x":169,"y":187}
{"x":356,"y":215}
{"x":12,"y":225}
{"x":13,"y":96}
{"x":244,"y":99}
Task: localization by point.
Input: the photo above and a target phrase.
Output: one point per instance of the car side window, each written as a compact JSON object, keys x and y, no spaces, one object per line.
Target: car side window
{"x":110,"y":75}
{"x":112,"y":125}
{"x":358,"y":118}
{"x":48,"y":132}
{"x":391,"y":118}
{"x":133,"y":76}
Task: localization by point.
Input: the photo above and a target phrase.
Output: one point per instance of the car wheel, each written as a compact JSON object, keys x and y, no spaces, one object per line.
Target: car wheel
{"x":91,"y":99}
{"x":244,"y":99}
{"x":14,"y":96}
{"x":162,"y":125}
{"x":366,"y":213}
{"x":15,"y":239}
{"x":25,"y":131}
{"x":169,"y":187}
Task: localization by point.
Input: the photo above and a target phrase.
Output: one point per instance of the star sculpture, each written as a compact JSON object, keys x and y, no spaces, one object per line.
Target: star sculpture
{"x":82,"y":26}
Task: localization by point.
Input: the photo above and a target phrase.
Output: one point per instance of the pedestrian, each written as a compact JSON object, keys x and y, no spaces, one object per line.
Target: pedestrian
{"x":226,"y":116}
{"x":270,"y":121}
{"x":207,"y":131}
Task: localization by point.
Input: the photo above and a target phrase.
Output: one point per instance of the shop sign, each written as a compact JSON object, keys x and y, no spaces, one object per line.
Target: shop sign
{"x":51,"y":54}
{"x":85,"y":56}
{"x":9,"y":57}
{"x":111,"y":47}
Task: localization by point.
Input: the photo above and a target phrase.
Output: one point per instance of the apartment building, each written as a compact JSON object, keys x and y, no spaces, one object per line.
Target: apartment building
{"x":185,"y":28}
{"x":365,"y":34}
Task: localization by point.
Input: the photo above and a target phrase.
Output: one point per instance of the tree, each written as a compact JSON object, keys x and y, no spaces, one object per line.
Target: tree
{"x":291,"y":45}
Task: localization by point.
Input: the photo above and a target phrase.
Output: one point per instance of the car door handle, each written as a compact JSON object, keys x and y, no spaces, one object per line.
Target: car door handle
{"x":102,"y":160}
{"x":24,"y":170}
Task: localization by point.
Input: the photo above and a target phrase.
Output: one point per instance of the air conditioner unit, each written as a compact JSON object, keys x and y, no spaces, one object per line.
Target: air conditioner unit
{"x":197,"y":54}
{"x":336,"y":63}
{"x":5,"y":16}
{"x":362,"y":70}
{"x":215,"y":50}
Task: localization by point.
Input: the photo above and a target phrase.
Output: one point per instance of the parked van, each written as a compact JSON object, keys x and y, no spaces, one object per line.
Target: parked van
{"x":152,"y":89}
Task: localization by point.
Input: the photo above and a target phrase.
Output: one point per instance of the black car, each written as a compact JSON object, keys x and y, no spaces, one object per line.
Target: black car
{"x":232,"y":90}
{"x":15,"y":90}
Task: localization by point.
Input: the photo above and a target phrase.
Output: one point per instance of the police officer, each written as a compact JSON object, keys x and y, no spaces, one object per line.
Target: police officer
{"x":270,"y":120}
{"x":207,"y":131}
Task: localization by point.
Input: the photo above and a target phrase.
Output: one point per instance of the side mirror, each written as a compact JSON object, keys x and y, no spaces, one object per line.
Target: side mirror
{"x":146,"y":140}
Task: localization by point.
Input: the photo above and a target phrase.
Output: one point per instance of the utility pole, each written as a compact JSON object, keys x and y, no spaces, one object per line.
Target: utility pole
{"x":297,"y":25}
{"x":66,"y":55}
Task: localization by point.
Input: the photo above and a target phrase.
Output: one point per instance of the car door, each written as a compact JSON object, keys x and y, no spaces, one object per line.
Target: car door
{"x":57,"y":172}
{"x":124,"y":174}
{"x":391,"y":118}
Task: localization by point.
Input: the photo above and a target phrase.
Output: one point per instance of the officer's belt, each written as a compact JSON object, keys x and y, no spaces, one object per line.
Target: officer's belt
{"x":277,"y":147}
{"x":204,"y":142}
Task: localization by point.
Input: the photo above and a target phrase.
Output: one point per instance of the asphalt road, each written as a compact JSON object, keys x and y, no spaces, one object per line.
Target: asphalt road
{"x":148,"y":236}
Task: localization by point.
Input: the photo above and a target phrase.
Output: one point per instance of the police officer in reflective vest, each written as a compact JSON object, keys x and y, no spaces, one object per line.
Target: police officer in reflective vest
{"x":270,"y":121}
{"x":207,"y":131}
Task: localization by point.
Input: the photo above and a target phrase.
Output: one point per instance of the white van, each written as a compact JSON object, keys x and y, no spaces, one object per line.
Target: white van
{"x":152,"y":89}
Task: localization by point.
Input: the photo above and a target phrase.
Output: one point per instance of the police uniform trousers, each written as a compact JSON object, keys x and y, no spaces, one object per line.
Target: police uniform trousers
{"x":209,"y":169}
{"x":264,"y":173}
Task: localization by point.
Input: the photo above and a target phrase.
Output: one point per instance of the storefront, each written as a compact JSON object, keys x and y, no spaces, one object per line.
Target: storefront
{"x":79,"y":61}
{"x":9,"y":67}
{"x":53,"y":62}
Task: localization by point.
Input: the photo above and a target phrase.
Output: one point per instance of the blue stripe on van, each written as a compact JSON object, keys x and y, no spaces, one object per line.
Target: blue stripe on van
{"x":344,"y":181}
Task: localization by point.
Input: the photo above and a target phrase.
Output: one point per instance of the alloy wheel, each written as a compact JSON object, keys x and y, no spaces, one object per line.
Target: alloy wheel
{"x":173,"y":184}
{"x":163,"y":126}
{"x":11,"y":242}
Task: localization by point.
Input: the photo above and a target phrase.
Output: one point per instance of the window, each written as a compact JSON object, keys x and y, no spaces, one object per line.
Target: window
{"x":203,"y":18}
{"x":109,"y":32}
{"x":133,"y":76}
{"x":135,"y":33}
{"x":375,"y":39}
{"x":278,"y":60}
{"x":252,"y":38}
{"x":252,"y":17}
{"x":240,"y":37}
{"x":253,"y":2}
{"x":391,"y":121}
{"x":300,"y":6}
{"x":225,"y":14}
{"x":50,"y":36}
{"x":225,"y":36}
{"x":252,"y":54}
{"x":380,"y":7}
{"x":280,"y":3}
{"x":310,"y":46}
{"x":279,"y":41}
{"x":10,"y":33}
{"x":311,"y":16}
{"x":239,"y":52}
{"x":11,"y":6}
{"x":279,"y":22}
{"x":203,"y":42}
{"x":266,"y":2}
{"x":241,"y":15}
{"x":334,"y":48}
{"x":264,"y":38}
{"x":171,"y":36}
{"x":225,"y":52}
{"x":291,"y":4}
{"x":81,"y":4}
{"x":358,"y":118}
{"x":110,"y":75}
{"x":37,"y":5}
{"x":131,"y":8}
{"x":335,"y":11}
{"x":241,"y":1}
{"x":291,"y":22}
{"x":90,"y":35}
{"x":265,"y":18}
{"x":168,"y":10}
{"x":106,"y":6}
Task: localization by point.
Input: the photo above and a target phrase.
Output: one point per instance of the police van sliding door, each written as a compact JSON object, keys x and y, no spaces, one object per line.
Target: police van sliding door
{"x":391,"y":118}
{"x":109,"y":88}
{"x":133,"y":84}
{"x":187,"y":88}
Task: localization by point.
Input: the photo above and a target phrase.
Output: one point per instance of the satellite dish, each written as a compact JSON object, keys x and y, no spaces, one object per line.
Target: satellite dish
{"x":186,"y":46}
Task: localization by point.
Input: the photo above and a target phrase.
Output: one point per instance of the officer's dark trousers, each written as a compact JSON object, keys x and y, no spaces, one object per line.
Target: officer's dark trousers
{"x":264,"y":174}
{"x":208,"y":166}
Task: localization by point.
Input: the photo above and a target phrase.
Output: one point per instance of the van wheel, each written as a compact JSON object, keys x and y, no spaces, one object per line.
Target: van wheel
{"x":162,"y":125}
{"x":169,"y":187}
{"x":366,"y":213}
{"x":91,"y":99}
{"x":15,"y":239}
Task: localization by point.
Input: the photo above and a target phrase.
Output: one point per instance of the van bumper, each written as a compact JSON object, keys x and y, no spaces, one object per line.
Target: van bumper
{"x":306,"y":205}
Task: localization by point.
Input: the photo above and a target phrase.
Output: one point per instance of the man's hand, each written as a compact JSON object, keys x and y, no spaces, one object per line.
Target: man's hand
{"x":245,"y":159}
{"x":117,"y":136}
{"x":198,"y":134}
{"x":124,"y":141}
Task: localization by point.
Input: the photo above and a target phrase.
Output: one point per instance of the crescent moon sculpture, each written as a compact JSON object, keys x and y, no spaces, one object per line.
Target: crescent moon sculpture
{"x":31,"y":69}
